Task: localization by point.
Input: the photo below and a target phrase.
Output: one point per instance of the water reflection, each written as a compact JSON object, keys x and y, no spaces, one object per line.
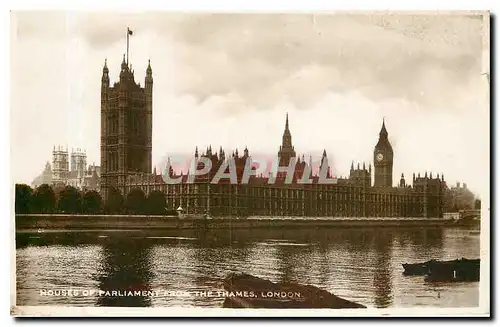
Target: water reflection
{"x":363,"y":265}
{"x":382,"y":280}
{"x":125,"y":267}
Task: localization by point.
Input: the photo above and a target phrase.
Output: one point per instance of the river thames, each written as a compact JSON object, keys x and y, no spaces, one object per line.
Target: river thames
{"x":186,"y":268}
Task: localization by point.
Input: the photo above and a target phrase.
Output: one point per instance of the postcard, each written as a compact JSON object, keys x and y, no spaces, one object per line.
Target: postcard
{"x":250,"y":164}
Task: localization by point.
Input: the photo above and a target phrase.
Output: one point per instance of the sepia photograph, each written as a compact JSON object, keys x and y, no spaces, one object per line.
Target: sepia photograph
{"x":250,"y":164}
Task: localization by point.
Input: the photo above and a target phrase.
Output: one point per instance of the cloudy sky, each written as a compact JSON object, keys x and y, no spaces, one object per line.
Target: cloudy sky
{"x":229,"y":80}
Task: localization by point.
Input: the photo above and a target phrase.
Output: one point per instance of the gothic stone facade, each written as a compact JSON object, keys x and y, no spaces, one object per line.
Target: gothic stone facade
{"x":126,"y":127}
{"x":353,"y":196}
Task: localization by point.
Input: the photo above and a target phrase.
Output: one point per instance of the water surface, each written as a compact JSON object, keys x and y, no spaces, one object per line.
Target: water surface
{"x":362,"y":265}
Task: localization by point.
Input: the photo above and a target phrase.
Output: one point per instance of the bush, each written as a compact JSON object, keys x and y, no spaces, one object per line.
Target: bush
{"x":70,"y":200}
{"x":43,"y":200}
{"x":135,"y":203}
{"x":91,"y":202}
{"x":114,"y":203}
{"x":155,"y":203}
{"x":23,"y":199}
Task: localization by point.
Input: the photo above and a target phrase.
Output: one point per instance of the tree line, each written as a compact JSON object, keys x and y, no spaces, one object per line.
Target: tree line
{"x":68,"y":199}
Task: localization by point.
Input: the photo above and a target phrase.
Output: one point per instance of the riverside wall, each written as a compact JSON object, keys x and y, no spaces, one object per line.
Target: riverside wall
{"x":143,"y":222}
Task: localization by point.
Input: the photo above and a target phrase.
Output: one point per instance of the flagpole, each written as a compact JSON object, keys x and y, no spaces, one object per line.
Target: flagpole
{"x":128,"y":34}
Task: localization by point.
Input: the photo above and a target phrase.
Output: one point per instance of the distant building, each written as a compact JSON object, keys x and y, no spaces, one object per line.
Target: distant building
{"x":44,"y":178}
{"x":80,"y":175}
{"x":459,"y":197}
{"x":60,"y":167}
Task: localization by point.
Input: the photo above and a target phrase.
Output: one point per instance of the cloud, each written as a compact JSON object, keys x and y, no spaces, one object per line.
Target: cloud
{"x":260,"y":57}
{"x":229,"y":80}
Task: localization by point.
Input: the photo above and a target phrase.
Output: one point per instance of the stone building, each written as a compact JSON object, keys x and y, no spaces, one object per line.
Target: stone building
{"x":61,"y":173}
{"x":352,"y":196}
{"x":126,"y":148}
{"x":60,"y":166}
{"x":459,"y":197}
{"x":126,"y":127}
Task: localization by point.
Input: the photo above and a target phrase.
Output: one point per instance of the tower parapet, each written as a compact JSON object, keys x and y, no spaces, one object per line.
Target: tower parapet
{"x":60,"y":165}
{"x":126,"y":127}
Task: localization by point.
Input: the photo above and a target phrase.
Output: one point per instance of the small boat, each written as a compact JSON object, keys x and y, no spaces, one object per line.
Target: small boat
{"x":454,"y":270}
{"x":417,"y":269}
{"x":457,"y":270}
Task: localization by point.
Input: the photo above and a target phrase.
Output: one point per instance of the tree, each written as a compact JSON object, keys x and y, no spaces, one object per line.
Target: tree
{"x":114,"y":203}
{"x":70,"y":200}
{"x":43,"y":200}
{"x":23,"y":199}
{"x":91,"y":202}
{"x":156,"y":203}
{"x":136,"y":202}
{"x":58,"y":188}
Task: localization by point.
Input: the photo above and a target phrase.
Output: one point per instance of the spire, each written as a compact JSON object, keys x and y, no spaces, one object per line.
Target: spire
{"x":105,"y":69}
{"x":358,"y":165}
{"x":383,"y":130}
{"x":364,"y":167}
{"x":287,"y":136}
{"x":370,"y":168}
{"x":402,"y":182}
{"x":195,"y":153}
{"x":149,"y":74}
{"x":105,"y":74}
{"x":352,"y":165}
{"x":124,"y":63}
{"x":324,"y":153}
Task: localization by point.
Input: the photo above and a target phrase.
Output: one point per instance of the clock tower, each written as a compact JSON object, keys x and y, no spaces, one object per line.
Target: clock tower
{"x":383,"y":159}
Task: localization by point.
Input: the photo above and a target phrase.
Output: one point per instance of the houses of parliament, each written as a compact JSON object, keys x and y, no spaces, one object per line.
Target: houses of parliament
{"x":126,"y":146}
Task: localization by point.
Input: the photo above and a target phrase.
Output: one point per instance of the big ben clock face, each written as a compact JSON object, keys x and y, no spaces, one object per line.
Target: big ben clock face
{"x":380,"y":157}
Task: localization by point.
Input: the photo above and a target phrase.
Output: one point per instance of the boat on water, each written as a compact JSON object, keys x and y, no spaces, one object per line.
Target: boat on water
{"x":453,"y":270}
{"x":417,"y":269}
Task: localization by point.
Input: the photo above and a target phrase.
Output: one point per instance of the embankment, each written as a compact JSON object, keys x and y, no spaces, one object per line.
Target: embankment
{"x":141,"y":222}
